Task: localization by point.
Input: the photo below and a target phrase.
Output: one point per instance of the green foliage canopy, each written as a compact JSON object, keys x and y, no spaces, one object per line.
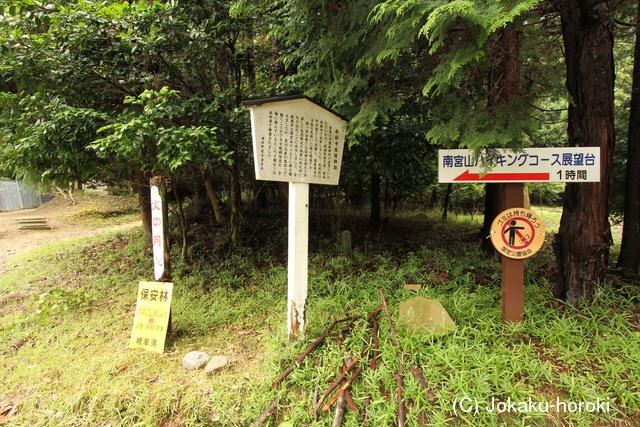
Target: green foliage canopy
{"x":98,"y":89}
{"x":370,"y":58}
{"x":135,"y":135}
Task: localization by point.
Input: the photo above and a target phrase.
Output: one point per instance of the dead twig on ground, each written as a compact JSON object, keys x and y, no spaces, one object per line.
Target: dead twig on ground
{"x":342,"y":389}
{"x":374,"y":351}
{"x":400,"y":375}
{"x":266,"y":414}
{"x":333,"y":386}
{"x":339,"y":414}
{"x":313,"y":345}
{"x":417,"y":374}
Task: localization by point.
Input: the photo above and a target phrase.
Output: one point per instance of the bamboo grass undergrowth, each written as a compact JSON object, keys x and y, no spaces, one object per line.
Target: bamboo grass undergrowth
{"x":67,"y":311}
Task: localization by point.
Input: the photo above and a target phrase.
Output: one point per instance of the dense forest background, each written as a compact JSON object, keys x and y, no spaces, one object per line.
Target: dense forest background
{"x":118,"y":92}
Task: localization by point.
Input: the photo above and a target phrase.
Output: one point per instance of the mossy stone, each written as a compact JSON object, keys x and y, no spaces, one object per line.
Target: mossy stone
{"x":426,"y":316}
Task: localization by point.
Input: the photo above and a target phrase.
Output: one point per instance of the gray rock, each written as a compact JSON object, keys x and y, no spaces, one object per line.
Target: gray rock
{"x":426,"y":316}
{"x":194,"y":360}
{"x":216,"y":364}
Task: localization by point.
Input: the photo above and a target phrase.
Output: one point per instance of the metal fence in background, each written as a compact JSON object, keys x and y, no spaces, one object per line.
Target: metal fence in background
{"x":16,"y":195}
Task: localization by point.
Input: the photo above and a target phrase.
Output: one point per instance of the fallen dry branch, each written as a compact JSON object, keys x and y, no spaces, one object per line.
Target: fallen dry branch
{"x":400,"y":376}
{"x":333,"y":386}
{"x":342,"y":389}
{"x":375,"y":326}
{"x":339,"y":414}
{"x":374,"y":351}
{"x":351,"y":402}
{"x":313,"y":345}
{"x":266,"y":414}
{"x":347,"y":395}
{"x":347,"y":375}
{"x":417,"y":374}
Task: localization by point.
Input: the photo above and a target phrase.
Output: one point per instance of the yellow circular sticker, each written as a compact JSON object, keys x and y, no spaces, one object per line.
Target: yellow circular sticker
{"x":517,"y":233}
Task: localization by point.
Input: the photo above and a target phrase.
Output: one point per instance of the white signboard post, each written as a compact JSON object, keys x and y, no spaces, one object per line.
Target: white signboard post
{"x":559,"y":164}
{"x":159,"y":215}
{"x":297,"y":141}
{"x":157,"y":233}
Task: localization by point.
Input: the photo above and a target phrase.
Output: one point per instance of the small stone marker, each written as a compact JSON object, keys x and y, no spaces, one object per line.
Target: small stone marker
{"x":194,"y":360}
{"x":412,"y":287}
{"x":345,"y":241}
{"x":426,"y":316}
{"x":216,"y":364}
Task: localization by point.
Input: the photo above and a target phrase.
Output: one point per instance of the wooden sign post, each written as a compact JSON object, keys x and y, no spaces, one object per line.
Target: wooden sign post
{"x":511,"y":169}
{"x":298,"y":256}
{"x":298,"y":141}
{"x":512,"y":269}
{"x":159,"y":220}
{"x":152,"y":320}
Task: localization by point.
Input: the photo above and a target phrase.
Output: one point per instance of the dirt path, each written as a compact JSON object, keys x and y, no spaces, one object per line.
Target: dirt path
{"x":67,"y":221}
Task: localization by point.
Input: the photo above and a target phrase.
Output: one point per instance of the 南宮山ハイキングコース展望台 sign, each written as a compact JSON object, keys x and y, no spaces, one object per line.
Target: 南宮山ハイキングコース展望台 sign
{"x":558,"y":164}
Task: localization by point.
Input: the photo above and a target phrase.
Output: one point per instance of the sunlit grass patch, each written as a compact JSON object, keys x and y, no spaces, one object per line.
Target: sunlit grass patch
{"x":67,"y":312}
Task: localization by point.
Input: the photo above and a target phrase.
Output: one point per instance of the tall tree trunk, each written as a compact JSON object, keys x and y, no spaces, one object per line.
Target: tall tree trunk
{"x":445,"y":204}
{"x":283,"y":193}
{"x":630,"y":246}
{"x":527,"y":198}
{"x":491,"y":211}
{"x":508,"y":86}
{"x":387,"y":194}
{"x":374,"y":217}
{"x":217,"y":212}
{"x":183,"y":225}
{"x":234,"y":203}
{"x":584,"y":237}
{"x":144,"y":203}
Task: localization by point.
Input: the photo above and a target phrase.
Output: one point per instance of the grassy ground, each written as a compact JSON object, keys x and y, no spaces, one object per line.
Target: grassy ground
{"x":67,"y":311}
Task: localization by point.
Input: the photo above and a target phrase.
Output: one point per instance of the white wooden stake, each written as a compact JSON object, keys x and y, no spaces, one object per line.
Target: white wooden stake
{"x":298,"y":257}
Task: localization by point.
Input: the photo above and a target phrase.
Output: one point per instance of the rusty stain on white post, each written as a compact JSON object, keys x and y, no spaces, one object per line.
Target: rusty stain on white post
{"x":298,"y":257}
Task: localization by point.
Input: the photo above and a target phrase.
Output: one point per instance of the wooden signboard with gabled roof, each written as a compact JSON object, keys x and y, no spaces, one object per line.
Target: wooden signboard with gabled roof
{"x":296,"y":140}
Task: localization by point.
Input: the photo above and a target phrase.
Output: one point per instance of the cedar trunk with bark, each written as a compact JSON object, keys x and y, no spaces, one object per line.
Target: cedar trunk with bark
{"x":144,"y":204}
{"x":584,"y":237}
{"x":507,"y":57}
{"x":630,"y":246}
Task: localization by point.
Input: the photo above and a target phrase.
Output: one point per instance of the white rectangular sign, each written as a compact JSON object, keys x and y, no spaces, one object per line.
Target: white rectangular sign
{"x":296,"y":140}
{"x":558,"y":164}
{"x":157,"y":233}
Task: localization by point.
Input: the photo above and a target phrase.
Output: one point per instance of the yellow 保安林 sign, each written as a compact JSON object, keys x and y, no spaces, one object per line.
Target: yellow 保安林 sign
{"x":152,"y":316}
